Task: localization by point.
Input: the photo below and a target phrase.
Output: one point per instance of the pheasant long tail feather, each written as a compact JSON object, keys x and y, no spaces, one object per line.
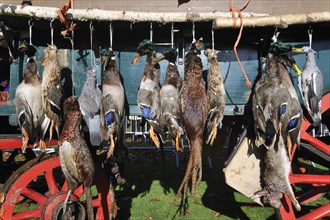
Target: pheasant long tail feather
{"x":88,"y":194}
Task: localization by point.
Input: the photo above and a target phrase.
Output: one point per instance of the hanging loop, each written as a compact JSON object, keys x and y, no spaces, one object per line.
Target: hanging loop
{"x":30,"y":23}
{"x":51,"y":32}
{"x":91,"y":28}
{"x":212,"y":32}
{"x":151,"y":33}
{"x":172,"y":36}
{"x":310,"y":35}
{"x":110,"y":32}
{"x":193,"y":31}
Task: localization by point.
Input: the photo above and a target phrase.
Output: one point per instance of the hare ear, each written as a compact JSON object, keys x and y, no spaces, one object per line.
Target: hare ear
{"x":260,"y":193}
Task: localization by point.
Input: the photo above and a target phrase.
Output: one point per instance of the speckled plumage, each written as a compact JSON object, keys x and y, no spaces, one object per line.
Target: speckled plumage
{"x":216,"y":97}
{"x":148,"y":99}
{"x":277,"y":115}
{"x":193,"y":102}
{"x":28,"y":102}
{"x":170,"y":102}
{"x":52,"y":92}
{"x":112,"y":105}
{"x":89,"y":101}
{"x":75,"y":157}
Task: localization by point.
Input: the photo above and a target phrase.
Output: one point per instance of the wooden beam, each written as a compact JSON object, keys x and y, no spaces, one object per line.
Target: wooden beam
{"x":281,"y":21}
{"x":105,"y":15}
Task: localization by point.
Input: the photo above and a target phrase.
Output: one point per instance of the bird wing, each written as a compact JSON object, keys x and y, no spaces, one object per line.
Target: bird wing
{"x":68,"y":161}
{"x":55,"y":95}
{"x":24,"y":113}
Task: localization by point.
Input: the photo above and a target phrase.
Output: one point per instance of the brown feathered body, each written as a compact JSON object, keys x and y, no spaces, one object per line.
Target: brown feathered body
{"x":28,"y":102}
{"x":193,"y":102}
{"x":216,"y":97}
{"x":52,"y":92}
{"x":171,"y":104}
{"x":276,"y":114}
{"x":75,"y":157}
{"x":112,"y":109}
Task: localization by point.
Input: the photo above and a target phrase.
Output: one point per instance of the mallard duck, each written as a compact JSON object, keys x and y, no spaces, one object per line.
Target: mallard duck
{"x":193,"y":102}
{"x":89,"y":101}
{"x":148,"y":94}
{"x":216,"y":96}
{"x":311,"y":86}
{"x":170,"y":101}
{"x":275,"y":76}
{"x":112,"y":110}
{"x":75,"y":157}
{"x":28,"y":101}
{"x":52,"y":92}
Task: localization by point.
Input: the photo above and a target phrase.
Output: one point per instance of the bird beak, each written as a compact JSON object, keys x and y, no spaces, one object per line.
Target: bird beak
{"x":136,"y":58}
{"x":297,"y":50}
{"x":296,"y":69}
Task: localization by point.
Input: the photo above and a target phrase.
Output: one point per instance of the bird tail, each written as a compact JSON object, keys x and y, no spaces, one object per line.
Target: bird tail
{"x":94,"y":130}
{"x":88,"y":194}
{"x":193,"y":170}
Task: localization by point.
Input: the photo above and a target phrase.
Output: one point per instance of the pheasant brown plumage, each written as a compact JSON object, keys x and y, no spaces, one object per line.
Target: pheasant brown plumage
{"x":76,"y":159}
{"x":193,"y":102}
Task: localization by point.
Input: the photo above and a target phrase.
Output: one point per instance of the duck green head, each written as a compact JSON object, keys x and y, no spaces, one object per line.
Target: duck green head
{"x":168,"y":55}
{"x":291,"y":62}
{"x":145,"y":47}
{"x":279,"y":47}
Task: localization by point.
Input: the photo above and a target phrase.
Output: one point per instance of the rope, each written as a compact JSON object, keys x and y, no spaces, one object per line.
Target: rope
{"x":232,"y":9}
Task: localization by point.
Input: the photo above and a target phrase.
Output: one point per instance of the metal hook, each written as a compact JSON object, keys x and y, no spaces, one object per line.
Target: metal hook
{"x":172,"y":35}
{"x":310,"y":35}
{"x":30,"y":23}
{"x":91,"y":28}
{"x":151,"y":31}
{"x":193,"y":31}
{"x":212,"y":31}
{"x":51,"y":32}
{"x":110,"y":32}
{"x":275,"y":36}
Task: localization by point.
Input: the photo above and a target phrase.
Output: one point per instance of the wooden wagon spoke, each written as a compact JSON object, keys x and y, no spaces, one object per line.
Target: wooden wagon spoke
{"x":51,"y":182}
{"x":36,"y":213}
{"x":34,"y":195}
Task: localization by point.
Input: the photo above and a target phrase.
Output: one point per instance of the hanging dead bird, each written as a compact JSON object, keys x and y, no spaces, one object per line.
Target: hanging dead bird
{"x":52,"y":92}
{"x":311,"y":87}
{"x":112,"y":110}
{"x":148,"y":94}
{"x":216,"y":97}
{"x":89,"y":101}
{"x":28,"y":101}
{"x":75,"y":157}
{"x":193,"y":102}
{"x":275,"y":115}
{"x":275,"y":77}
{"x":170,"y":101}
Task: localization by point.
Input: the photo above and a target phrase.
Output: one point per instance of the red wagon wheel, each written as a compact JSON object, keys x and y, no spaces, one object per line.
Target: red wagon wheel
{"x":38,"y":189}
{"x":315,"y":151}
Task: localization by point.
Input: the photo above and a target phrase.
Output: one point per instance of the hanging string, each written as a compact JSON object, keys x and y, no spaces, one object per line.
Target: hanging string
{"x":172,"y":36}
{"x":310,"y":35}
{"x":193,"y":31}
{"x":91,"y":28}
{"x":110,"y":33}
{"x":30,"y":23}
{"x":212,"y":31}
{"x":51,"y":32}
{"x":239,"y":11}
{"x":150,"y":31}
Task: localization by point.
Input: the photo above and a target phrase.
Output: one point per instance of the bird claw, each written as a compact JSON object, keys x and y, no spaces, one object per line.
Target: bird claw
{"x":51,"y":130}
{"x":25,"y":140}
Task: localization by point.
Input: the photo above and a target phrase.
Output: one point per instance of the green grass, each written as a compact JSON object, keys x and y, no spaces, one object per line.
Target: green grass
{"x":151,"y":191}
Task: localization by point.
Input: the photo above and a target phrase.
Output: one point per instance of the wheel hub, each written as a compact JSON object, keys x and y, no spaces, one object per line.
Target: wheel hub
{"x":53,"y":208}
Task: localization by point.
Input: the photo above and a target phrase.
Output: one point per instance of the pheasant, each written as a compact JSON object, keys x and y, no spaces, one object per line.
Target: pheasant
{"x":216,"y":97}
{"x":193,"y":102}
{"x":75,"y":157}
